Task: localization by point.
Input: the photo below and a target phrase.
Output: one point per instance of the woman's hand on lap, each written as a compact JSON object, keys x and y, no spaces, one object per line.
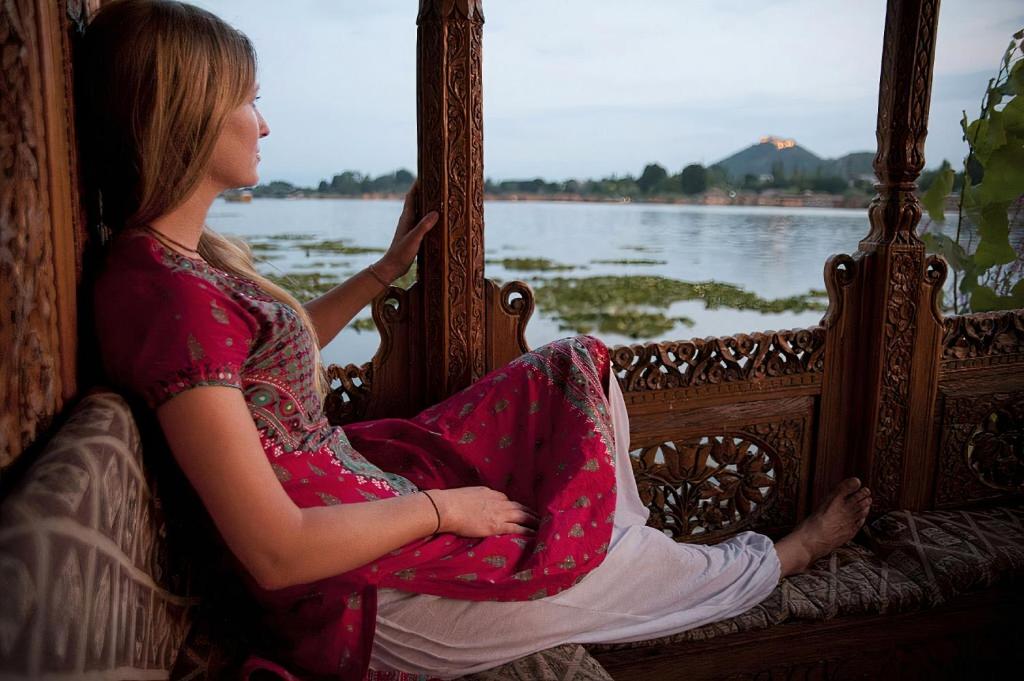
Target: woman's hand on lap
{"x":482,"y":512}
{"x":408,"y":235}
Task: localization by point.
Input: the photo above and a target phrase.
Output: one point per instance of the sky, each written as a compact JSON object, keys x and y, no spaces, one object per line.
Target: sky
{"x":591,"y":88}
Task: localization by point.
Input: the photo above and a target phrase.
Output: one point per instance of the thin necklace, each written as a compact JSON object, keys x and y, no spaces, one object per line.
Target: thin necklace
{"x":164,"y":238}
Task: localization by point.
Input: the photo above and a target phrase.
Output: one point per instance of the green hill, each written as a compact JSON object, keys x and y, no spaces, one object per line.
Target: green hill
{"x":772,"y":153}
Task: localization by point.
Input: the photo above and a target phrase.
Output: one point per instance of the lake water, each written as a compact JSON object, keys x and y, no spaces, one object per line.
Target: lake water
{"x":630,"y":272}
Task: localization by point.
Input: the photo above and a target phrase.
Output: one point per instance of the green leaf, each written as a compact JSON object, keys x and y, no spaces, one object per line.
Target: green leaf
{"x":947,"y":248}
{"x":1017,"y":294}
{"x":1004,"y":175}
{"x":970,"y":279}
{"x":971,"y":201}
{"x":935,"y":198}
{"x":984,"y":299}
{"x":1015,"y":81}
{"x":994,"y":232}
{"x":1013,"y":115}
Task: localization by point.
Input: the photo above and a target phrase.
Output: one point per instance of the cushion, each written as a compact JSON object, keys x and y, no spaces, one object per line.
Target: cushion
{"x":84,"y":570}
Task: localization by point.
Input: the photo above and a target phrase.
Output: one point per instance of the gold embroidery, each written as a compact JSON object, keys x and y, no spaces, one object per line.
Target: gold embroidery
{"x":466,"y":438}
{"x":534,"y":407}
{"x":218,"y":313}
{"x":504,"y":442}
{"x":496,"y":561}
{"x":328,"y":499}
{"x":466,"y":408}
{"x":582,"y":502}
{"x":195,"y":350}
{"x":576,"y":531}
{"x":500,"y":406}
{"x":282,"y":473}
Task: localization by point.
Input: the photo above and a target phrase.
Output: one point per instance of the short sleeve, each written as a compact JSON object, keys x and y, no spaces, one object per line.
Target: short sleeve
{"x":161,"y":335}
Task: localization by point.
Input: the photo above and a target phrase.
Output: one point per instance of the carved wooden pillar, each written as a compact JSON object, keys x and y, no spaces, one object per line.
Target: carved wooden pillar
{"x":450,"y":131}
{"x":884,"y":326}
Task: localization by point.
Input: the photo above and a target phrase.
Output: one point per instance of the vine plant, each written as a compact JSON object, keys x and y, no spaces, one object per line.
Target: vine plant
{"x":985,"y":254}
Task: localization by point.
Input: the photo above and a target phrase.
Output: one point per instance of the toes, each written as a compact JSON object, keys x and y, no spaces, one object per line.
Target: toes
{"x":848,"y":486}
{"x":862,"y":493}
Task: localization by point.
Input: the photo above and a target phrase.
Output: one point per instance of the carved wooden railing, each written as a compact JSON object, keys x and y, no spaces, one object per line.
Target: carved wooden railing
{"x":745,"y":431}
{"x":979,"y":414}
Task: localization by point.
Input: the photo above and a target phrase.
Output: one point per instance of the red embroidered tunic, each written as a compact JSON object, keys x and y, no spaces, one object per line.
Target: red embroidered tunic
{"x":537,"y":429}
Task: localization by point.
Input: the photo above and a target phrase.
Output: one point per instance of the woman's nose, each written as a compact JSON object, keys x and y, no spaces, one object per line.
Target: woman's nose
{"x":264,"y":128}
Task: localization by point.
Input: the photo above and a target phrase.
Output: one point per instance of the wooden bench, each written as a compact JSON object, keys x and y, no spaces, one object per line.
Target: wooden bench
{"x":101,"y":556}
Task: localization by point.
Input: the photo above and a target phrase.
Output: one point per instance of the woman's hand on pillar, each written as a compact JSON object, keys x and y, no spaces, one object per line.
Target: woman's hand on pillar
{"x":408,"y":235}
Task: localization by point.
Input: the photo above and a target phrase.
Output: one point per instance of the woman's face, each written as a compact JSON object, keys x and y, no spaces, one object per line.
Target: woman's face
{"x":236,"y":152}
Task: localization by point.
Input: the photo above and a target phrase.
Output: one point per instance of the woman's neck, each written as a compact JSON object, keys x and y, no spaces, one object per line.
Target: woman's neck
{"x":185,"y":222}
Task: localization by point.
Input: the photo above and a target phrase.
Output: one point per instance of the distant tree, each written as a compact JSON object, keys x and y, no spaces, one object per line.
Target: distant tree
{"x":717,"y":176}
{"x":275,"y":189}
{"x":323,"y":188}
{"x":348,"y":183}
{"x":652,"y":176}
{"x":829,"y":185}
{"x":404,"y":178}
{"x":693,"y":179}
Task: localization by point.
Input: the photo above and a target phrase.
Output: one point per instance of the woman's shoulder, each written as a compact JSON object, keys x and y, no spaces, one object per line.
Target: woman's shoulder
{"x":143,"y":280}
{"x":137,"y":267}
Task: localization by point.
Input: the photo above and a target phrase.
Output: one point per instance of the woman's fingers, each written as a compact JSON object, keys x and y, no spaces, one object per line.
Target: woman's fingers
{"x":427,"y":223}
{"x":513,"y":528}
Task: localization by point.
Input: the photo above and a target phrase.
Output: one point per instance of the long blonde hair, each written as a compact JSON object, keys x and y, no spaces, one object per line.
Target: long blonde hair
{"x":158,"y":80}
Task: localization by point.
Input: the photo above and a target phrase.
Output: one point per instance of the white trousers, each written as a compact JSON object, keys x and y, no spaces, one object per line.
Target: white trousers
{"x":647,"y":586}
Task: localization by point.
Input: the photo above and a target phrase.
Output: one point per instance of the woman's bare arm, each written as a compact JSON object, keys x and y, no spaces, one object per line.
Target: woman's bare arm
{"x":336,"y":308}
{"x":214,"y":440}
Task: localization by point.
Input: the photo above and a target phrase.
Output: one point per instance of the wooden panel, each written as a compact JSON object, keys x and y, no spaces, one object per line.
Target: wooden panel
{"x":39,"y":219}
{"x":710,"y":472}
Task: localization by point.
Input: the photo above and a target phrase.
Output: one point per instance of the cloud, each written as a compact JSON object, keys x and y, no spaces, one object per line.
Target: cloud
{"x":590,"y":87}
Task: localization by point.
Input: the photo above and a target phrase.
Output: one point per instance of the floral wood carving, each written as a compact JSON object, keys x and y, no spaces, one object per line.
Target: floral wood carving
{"x":793,"y":354}
{"x":994,"y":451}
{"x":451,"y":171}
{"x":347,"y":402}
{"x":701,"y":488}
{"x":980,"y":454}
{"x":30,"y":380}
{"x":893,"y":406}
{"x":983,"y":339}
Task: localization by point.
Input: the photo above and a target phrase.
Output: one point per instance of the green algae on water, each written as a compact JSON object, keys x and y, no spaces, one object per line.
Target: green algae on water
{"x":629,"y":305}
{"x":531,"y":264}
{"x":630,"y":261}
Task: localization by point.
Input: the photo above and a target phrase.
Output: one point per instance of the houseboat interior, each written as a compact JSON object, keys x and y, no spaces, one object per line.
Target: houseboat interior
{"x":733,"y":433}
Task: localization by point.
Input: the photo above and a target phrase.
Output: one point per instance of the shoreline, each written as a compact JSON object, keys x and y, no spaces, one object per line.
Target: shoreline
{"x":763,"y":200}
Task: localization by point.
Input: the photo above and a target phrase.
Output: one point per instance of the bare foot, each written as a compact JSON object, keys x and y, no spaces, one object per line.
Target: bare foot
{"x":830,"y":526}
